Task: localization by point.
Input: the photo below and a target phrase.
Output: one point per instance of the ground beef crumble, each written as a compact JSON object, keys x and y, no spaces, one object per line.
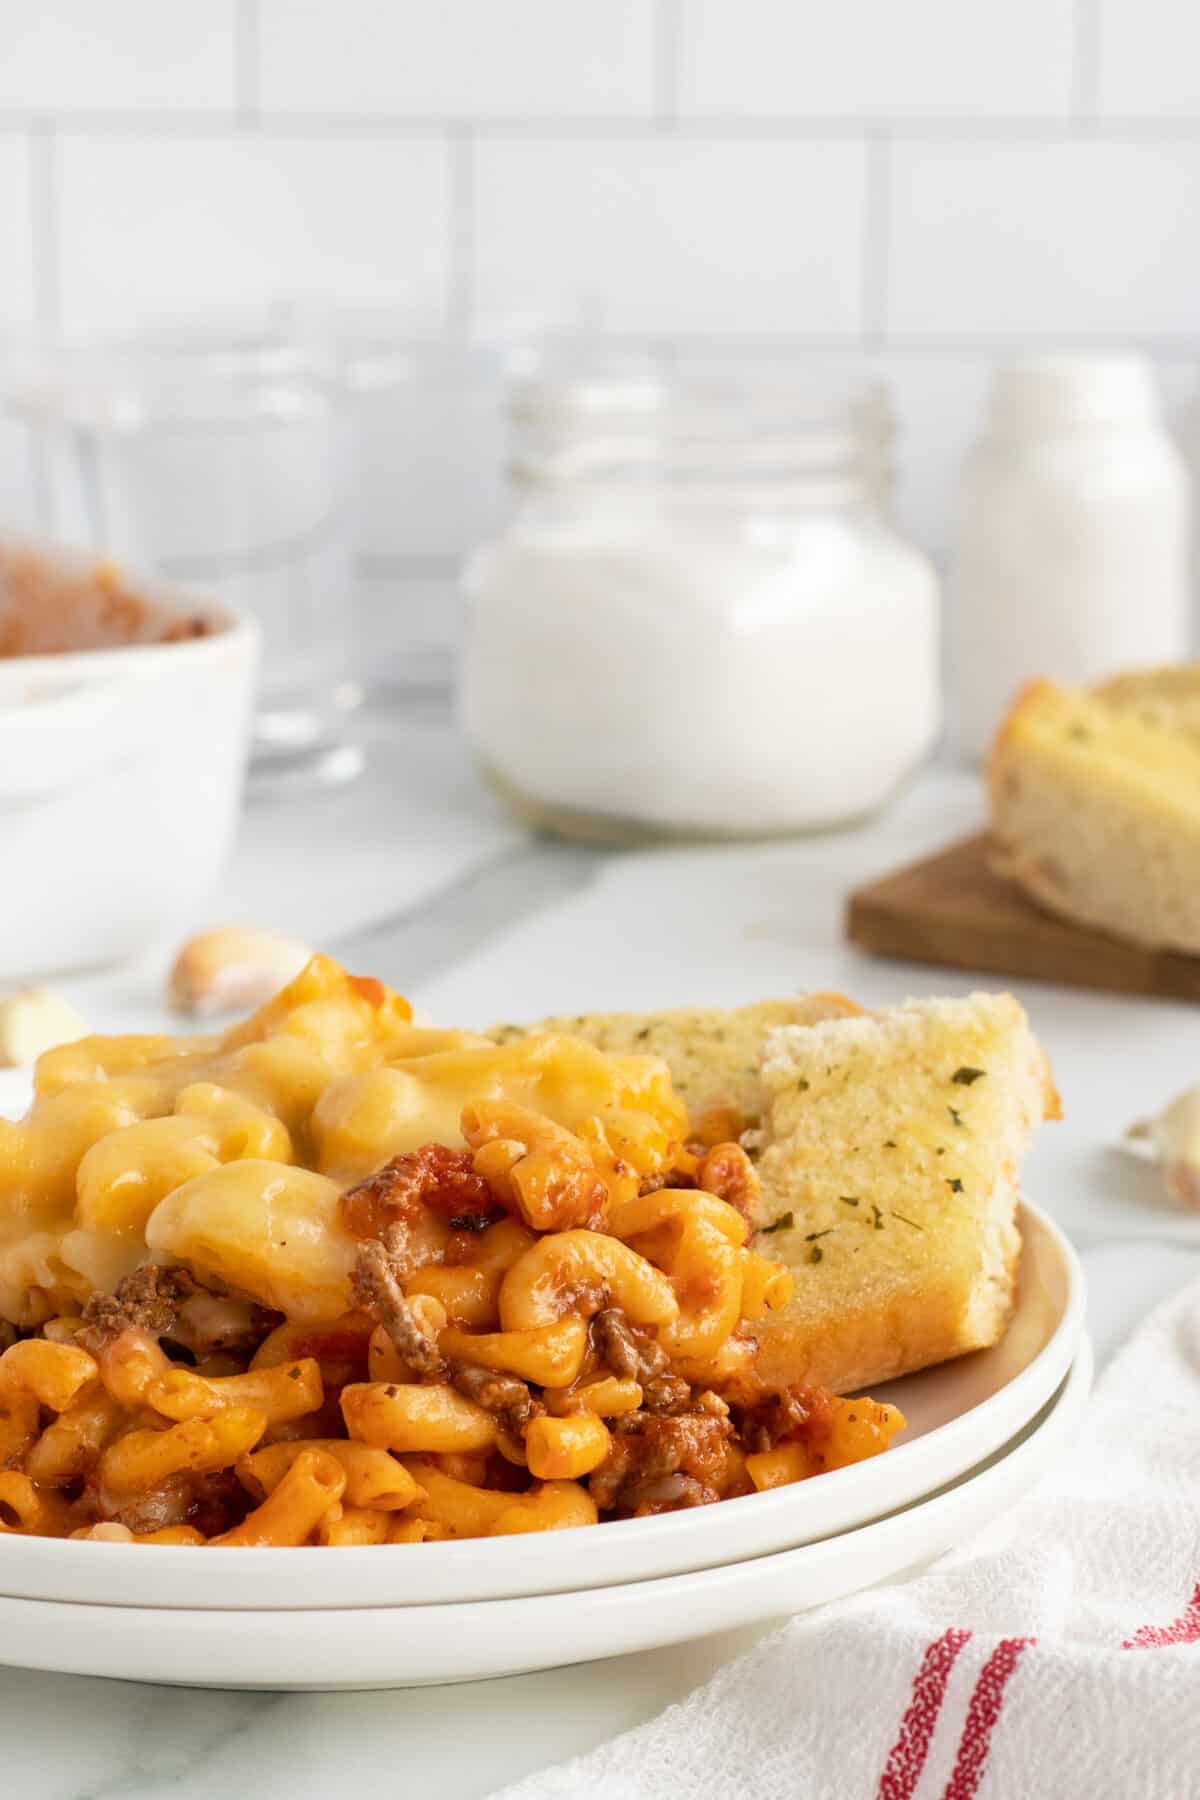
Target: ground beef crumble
{"x":375,"y":1284}
{"x":506,"y":1396}
{"x":795,"y":1413}
{"x":666,"y":1394}
{"x":433,"y":1176}
{"x":629,"y":1353}
{"x":148,"y":1300}
{"x":657,"y":1463}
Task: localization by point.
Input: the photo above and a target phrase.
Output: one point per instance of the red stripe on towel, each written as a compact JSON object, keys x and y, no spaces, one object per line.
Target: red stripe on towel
{"x":1183,"y":1630}
{"x":907,"y":1756}
{"x":986,"y":1704}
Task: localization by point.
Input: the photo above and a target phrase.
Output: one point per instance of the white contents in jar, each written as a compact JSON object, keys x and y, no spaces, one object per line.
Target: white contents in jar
{"x":701,"y":673}
{"x":1072,"y":555}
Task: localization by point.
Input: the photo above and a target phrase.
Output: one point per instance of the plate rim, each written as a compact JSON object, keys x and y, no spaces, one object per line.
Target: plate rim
{"x":662,"y":1604}
{"x":57,"y":1562}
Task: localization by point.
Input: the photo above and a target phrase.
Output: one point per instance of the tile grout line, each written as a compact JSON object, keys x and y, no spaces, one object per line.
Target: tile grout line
{"x":247,"y":64}
{"x":1182,"y":129}
{"x":1087,"y":62}
{"x":985,"y":343}
{"x":876,"y":239}
{"x":43,"y":178}
{"x":668,"y":48}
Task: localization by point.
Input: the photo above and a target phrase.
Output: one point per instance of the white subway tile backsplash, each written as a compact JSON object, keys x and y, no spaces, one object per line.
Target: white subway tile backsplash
{"x":1148,"y":58}
{"x":930,"y":179}
{"x":676,"y":234}
{"x":16,"y":229}
{"x":410,"y":625}
{"x":18,"y":500}
{"x":116,"y":55}
{"x":792,"y":59}
{"x":940,"y":400}
{"x":17,"y":305}
{"x":1087,"y":239}
{"x":170,"y":224}
{"x":516,"y":58}
{"x":432,"y":461}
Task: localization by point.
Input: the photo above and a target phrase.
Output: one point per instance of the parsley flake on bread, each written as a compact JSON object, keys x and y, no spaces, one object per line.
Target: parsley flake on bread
{"x":894,"y":1141}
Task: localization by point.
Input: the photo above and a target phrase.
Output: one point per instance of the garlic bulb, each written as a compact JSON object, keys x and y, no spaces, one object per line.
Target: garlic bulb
{"x":231,"y":968}
{"x":1172,"y":1140}
{"x":32,"y":1021}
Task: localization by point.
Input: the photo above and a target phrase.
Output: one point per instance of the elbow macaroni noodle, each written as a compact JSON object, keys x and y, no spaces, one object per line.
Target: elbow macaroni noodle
{"x":334,"y":1279}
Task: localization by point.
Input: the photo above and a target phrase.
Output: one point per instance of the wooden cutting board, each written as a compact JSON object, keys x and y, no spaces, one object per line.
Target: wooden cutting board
{"x":952,"y":910}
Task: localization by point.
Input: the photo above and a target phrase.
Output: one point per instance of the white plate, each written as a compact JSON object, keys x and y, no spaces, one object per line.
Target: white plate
{"x":418,"y":1646}
{"x":958,"y":1414}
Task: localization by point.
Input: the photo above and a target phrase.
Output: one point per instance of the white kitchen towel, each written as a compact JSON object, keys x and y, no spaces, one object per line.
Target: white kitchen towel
{"x":1057,"y":1654}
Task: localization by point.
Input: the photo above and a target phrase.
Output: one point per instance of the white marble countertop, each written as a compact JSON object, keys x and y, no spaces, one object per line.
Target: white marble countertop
{"x":419,"y":880}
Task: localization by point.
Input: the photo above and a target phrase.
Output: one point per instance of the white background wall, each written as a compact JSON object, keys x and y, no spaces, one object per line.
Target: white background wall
{"x":929,"y":181}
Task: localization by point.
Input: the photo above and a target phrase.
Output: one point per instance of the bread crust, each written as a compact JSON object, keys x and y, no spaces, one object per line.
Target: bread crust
{"x":1095,"y":803}
{"x":1168,"y":696}
{"x":859,"y":1345}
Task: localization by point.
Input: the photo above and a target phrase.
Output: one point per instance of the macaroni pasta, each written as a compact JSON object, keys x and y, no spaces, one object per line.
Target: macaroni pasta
{"x":335,"y":1279}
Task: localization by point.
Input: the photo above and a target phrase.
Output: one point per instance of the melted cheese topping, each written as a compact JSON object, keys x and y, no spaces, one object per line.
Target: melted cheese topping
{"x":228,"y":1153}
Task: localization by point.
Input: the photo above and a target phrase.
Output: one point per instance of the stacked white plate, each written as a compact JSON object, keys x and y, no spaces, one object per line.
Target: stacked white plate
{"x":980,"y":1430}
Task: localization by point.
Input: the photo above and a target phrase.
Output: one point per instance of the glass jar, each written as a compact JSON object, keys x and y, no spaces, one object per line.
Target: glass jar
{"x":428,"y":404}
{"x":218,"y":456}
{"x":699,"y":622}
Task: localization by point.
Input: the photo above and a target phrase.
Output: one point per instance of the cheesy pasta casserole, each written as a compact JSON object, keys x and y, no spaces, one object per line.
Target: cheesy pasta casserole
{"x":333,"y":1278}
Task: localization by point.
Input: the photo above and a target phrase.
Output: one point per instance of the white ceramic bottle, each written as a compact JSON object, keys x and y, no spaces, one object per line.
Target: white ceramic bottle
{"x":1073,"y":532}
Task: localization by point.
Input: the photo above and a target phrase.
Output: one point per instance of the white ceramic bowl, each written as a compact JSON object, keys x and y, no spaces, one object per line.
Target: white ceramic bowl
{"x":401,"y":1646}
{"x":958,"y":1414}
{"x":121,"y":774}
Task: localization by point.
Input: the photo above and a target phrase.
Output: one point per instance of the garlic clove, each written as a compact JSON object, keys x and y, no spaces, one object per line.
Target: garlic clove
{"x":232,"y":968}
{"x":1182,"y":1182}
{"x":1172,"y":1140}
{"x":32,"y":1021}
{"x":1138,"y":1141}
